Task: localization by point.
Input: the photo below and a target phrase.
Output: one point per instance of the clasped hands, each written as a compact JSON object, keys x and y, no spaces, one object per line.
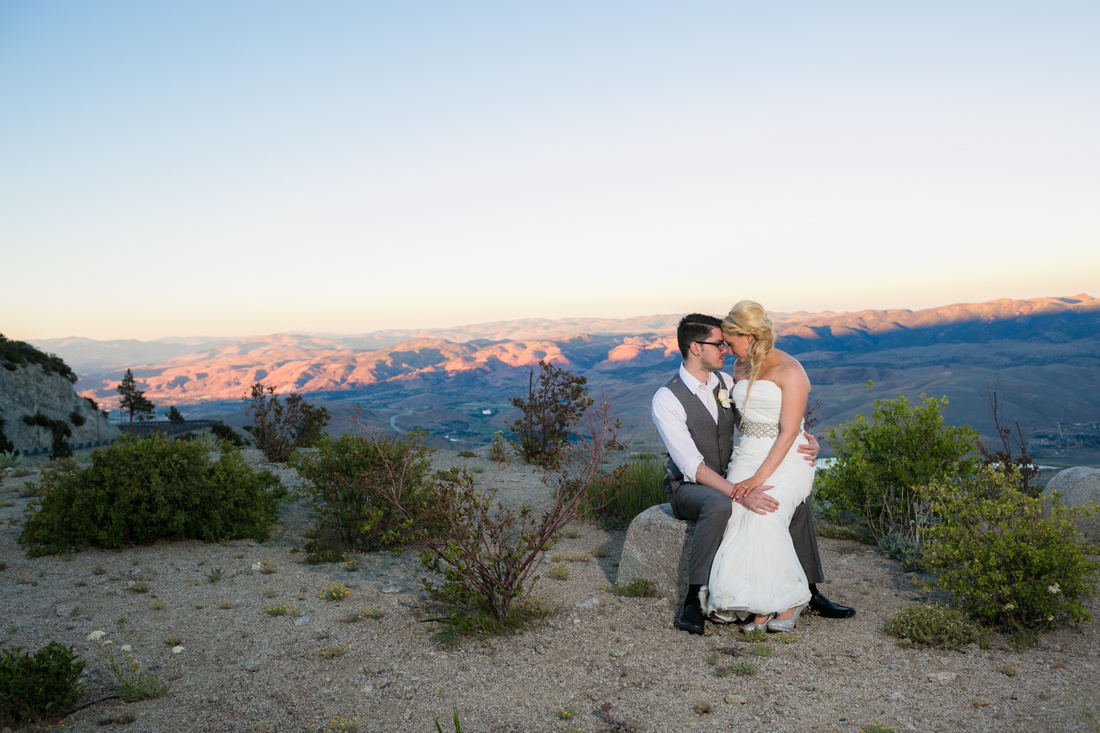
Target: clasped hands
{"x":752,"y":492}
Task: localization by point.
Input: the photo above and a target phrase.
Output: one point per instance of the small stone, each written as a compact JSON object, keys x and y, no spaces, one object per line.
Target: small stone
{"x":65,"y":610}
{"x":897,"y":696}
{"x":391,"y":588}
{"x":1045,"y":695}
{"x":301,"y":621}
{"x":589,"y":603}
{"x":251,"y":666}
{"x":942,"y":676}
{"x":367,"y":688}
{"x":736,"y":700}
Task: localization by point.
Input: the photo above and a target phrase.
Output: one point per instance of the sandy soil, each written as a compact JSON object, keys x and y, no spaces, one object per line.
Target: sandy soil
{"x":613,"y":663}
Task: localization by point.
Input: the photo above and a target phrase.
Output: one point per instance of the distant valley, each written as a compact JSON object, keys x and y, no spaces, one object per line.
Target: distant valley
{"x":1042,"y":354}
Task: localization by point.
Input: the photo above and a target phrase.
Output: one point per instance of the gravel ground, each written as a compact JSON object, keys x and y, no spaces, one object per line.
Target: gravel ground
{"x":609,"y":663}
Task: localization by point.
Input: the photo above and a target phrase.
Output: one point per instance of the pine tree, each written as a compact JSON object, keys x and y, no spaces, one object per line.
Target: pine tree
{"x":133,"y":399}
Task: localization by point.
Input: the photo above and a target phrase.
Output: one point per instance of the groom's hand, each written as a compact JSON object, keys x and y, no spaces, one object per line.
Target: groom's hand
{"x":759,"y":500}
{"x":811,"y":449}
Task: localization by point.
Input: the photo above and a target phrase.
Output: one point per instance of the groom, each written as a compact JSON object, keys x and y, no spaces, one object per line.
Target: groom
{"x":695,"y":419}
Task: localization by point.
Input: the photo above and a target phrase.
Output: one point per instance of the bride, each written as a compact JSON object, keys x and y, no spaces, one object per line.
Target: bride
{"x":756,"y":572}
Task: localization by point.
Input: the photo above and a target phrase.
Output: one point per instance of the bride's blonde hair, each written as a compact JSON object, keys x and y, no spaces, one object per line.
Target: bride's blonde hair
{"x":748,"y":318}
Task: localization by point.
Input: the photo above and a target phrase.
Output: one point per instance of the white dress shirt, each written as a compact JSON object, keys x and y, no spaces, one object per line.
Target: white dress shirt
{"x":671,"y":419}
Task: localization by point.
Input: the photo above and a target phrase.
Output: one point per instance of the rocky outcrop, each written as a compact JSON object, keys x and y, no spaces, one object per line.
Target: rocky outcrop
{"x":657,"y":548}
{"x":1077,"y":486}
{"x":29,"y":390}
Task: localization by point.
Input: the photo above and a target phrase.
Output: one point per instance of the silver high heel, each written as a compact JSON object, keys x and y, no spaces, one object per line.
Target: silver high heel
{"x":778,"y":626}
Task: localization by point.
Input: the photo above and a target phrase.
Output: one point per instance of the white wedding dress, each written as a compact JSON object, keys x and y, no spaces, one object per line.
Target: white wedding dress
{"x":756,"y":569}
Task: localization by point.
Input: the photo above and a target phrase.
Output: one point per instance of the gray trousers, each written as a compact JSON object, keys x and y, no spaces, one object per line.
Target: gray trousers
{"x":710,"y":509}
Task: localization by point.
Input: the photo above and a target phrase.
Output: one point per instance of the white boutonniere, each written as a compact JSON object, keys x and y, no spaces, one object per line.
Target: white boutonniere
{"x":724,"y":399}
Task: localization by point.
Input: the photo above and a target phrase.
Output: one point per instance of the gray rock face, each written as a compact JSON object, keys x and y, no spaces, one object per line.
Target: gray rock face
{"x":657,"y":548}
{"x":29,"y":390}
{"x":1078,"y":486}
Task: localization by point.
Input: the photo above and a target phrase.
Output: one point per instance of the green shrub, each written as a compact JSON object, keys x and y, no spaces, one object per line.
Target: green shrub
{"x":549,"y":411}
{"x":228,"y":434}
{"x":353,"y":484}
{"x":904,"y":548}
{"x":615,"y":499}
{"x":935,"y":626}
{"x":10,"y":459}
{"x":139,"y":491}
{"x":883,"y":463}
{"x":637,"y":588}
{"x":282,"y":426}
{"x":1004,"y":562}
{"x":16,"y":353}
{"x":498,"y":447}
{"x":32,"y":687}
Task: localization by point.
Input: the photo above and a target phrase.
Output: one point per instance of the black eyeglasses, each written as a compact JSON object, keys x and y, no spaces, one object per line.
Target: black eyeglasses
{"x":720,"y":345}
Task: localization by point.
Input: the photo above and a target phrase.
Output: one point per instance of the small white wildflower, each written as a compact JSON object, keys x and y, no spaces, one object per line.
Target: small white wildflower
{"x":1050,"y":618}
{"x":1054,"y":589}
{"x":177,"y":649}
{"x":125,"y":648}
{"x":258,"y":565}
{"x":106,"y":642}
{"x":96,"y":635}
{"x":1009,"y":606}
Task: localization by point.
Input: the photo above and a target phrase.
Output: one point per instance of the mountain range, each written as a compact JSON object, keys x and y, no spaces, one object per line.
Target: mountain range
{"x":1041,"y":355}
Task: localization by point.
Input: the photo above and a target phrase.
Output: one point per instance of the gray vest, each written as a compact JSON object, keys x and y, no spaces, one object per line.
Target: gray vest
{"x":715,"y":442}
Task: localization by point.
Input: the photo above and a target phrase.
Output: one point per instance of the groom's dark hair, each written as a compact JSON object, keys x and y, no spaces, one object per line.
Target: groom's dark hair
{"x":694,"y":327}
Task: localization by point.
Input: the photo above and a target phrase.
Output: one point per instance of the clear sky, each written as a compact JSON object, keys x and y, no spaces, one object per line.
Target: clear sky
{"x":243,"y":168}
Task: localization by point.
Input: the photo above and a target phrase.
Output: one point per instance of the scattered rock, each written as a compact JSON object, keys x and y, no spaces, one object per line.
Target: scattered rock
{"x":66,"y":610}
{"x":942,"y":676}
{"x":391,"y":588}
{"x":736,"y":700}
{"x":593,"y":601}
{"x":301,"y":621}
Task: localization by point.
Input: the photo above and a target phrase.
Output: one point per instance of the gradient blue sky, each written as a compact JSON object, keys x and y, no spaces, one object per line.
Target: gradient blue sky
{"x":244,"y":168}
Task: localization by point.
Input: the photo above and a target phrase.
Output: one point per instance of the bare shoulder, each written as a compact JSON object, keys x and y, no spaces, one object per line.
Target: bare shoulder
{"x":787,"y":370}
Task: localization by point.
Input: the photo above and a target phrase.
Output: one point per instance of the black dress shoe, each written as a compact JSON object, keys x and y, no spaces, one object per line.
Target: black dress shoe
{"x":691,"y":619}
{"x":825,"y":608}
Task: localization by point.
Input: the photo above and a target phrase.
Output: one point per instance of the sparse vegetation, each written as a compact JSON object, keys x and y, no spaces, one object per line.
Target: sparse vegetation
{"x":934,"y":626}
{"x":14,"y":354}
{"x":498,"y":447}
{"x":560,"y":572}
{"x":637,"y":588}
{"x":133,"y":682}
{"x":557,"y":403}
{"x":281,"y":426}
{"x":616,"y":498}
{"x":489,"y":555}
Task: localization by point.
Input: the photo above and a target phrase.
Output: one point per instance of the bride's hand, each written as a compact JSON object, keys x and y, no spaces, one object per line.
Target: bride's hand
{"x":752,"y":482}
